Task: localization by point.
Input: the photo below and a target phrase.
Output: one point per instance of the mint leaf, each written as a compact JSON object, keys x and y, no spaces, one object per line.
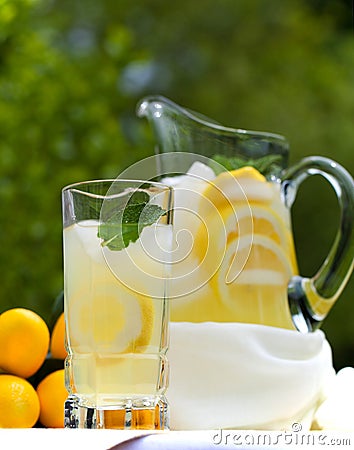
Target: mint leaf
{"x":117,"y":236}
{"x":125,"y":223}
{"x":266,"y":165}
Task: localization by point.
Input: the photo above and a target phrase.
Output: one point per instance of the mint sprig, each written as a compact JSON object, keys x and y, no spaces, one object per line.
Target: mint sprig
{"x":266,"y":165}
{"x":125,"y":223}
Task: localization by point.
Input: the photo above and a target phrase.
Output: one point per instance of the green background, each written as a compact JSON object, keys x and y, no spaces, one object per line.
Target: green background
{"x":72,"y":72}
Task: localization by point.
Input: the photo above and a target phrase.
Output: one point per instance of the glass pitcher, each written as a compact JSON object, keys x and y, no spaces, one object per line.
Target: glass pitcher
{"x":241,"y":189}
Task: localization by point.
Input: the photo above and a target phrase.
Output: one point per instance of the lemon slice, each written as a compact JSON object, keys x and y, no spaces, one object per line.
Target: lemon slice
{"x":266,"y":262}
{"x":254,"y":292}
{"x":109,"y":318}
{"x":266,"y":265}
{"x":258,"y":219}
{"x":234,"y":223}
{"x":241,"y":185}
{"x":254,"y":251}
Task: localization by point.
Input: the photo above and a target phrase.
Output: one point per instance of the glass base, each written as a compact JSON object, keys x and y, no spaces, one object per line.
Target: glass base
{"x":138,"y":414}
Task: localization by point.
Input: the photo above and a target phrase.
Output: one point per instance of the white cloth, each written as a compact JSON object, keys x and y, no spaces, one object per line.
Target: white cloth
{"x":243,"y":376}
{"x":336,"y":413}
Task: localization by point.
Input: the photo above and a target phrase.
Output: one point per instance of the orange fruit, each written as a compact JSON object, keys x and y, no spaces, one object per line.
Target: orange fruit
{"x":52,"y":395}
{"x":57,"y":343}
{"x":19,"y":403}
{"x":24,"y":341}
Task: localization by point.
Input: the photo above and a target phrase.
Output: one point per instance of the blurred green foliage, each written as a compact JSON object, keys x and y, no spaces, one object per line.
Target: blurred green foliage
{"x":71,"y":73}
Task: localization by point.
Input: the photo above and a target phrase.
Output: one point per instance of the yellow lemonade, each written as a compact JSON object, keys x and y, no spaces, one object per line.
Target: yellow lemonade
{"x":116,"y":317}
{"x":242,"y":248}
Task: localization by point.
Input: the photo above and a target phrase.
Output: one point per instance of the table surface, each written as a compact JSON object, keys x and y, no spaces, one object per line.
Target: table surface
{"x":53,"y":439}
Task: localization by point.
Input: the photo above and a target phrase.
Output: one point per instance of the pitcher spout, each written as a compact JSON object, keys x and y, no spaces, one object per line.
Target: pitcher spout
{"x":168,"y":121}
{"x":178,"y":129}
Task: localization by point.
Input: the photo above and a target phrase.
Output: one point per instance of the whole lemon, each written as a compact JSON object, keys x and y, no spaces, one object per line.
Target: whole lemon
{"x":52,"y":395}
{"x":19,"y":403}
{"x":24,"y":341}
{"x":57,"y":347}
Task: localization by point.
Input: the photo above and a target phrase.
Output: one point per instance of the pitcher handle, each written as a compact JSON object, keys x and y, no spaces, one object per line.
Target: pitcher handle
{"x":310,"y":299}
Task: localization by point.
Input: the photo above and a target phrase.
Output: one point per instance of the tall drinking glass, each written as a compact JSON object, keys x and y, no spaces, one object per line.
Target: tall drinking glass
{"x":117,"y":243}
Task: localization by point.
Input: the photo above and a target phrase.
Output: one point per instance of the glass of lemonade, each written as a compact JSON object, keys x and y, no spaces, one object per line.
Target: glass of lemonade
{"x":117,"y":244}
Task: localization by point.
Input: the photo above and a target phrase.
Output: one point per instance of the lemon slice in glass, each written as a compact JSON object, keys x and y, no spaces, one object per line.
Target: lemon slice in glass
{"x":109,"y":318}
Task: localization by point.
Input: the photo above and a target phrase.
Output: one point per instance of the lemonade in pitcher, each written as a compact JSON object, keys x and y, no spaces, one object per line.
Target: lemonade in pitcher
{"x":242,"y":246}
{"x":116,"y":314}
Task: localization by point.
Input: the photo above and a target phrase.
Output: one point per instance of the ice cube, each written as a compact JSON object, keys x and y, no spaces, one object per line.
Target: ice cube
{"x":86,"y":232}
{"x":202,"y":171}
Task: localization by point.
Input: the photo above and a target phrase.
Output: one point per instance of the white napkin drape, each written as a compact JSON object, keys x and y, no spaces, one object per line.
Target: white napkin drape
{"x":245,"y":376}
{"x":336,"y":413}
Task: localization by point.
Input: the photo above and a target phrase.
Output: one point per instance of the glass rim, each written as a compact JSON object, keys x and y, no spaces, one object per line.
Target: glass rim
{"x":76,"y":185}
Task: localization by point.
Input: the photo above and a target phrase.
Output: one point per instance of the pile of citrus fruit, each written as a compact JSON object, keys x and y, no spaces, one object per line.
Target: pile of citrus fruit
{"x":32,"y":389}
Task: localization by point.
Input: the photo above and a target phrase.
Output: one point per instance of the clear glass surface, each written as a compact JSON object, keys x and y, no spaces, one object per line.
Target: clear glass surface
{"x":117,"y":240}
